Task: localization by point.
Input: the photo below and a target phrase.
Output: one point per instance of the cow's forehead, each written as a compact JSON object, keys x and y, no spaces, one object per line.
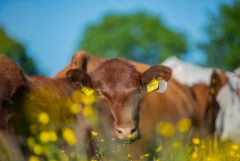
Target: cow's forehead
{"x":116,"y":73}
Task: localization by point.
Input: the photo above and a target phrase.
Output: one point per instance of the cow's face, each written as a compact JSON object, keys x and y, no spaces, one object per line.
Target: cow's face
{"x":119,"y":88}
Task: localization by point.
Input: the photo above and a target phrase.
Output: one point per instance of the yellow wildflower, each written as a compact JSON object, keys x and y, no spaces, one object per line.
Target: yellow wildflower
{"x":235,"y":147}
{"x":53,"y":136}
{"x":212,"y":158}
{"x":165,"y":129}
{"x":94,"y":133}
{"x":76,"y":96}
{"x":177,"y":144}
{"x":184,"y":124}
{"x":194,"y":155}
{"x":158,"y":149}
{"x":37,"y":149}
{"x":146,"y":155}
{"x":157,"y":159}
{"x":88,"y":111}
{"x":44,"y":136}
{"x":43,"y":118}
{"x":69,"y":136}
{"x":88,"y":100}
{"x":195,"y":141}
{"x":231,"y":153}
{"x":75,"y":108}
{"x":30,"y":142}
{"x":33,"y":158}
{"x":130,"y":136}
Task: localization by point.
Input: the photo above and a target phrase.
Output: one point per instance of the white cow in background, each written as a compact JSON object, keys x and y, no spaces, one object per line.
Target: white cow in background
{"x":228,"y":119}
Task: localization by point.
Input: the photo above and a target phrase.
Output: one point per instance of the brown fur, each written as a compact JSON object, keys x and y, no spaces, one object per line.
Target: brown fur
{"x":39,"y":94}
{"x":11,"y":78}
{"x":81,"y":60}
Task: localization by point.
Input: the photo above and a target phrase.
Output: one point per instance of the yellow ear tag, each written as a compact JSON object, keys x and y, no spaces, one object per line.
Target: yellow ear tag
{"x":86,"y":90}
{"x":153,"y":85}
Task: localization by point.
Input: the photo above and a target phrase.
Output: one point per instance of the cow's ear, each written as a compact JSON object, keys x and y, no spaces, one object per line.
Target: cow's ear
{"x":80,"y":60}
{"x":217,"y":81}
{"x":156,"y":78}
{"x":79,"y":76}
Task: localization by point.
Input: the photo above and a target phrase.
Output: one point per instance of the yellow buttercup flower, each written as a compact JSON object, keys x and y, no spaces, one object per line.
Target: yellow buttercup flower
{"x":46,"y":136}
{"x":146,"y":155}
{"x":75,"y":108}
{"x":130,"y":136}
{"x":88,"y":111}
{"x":33,"y":158}
{"x":53,"y":136}
{"x":76,"y":96}
{"x":31,"y":142}
{"x":158,"y":149}
{"x":43,"y":118}
{"x":165,"y":129}
{"x":37,"y":149}
{"x":177,"y":144}
{"x":157,"y":159}
{"x":194,"y":155}
{"x":88,"y":100}
{"x":94,"y":133}
{"x":184,"y":124}
{"x":235,"y":147}
{"x":69,"y":136}
{"x":195,"y":141}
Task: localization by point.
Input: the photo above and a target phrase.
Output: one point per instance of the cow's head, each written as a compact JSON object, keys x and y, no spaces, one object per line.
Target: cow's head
{"x":119,"y":88}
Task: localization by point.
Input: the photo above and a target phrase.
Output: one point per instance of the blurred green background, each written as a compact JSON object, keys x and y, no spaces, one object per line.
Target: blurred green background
{"x":42,"y":36}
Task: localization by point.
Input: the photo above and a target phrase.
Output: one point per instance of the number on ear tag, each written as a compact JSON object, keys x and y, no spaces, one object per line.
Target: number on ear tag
{"x":153,"y":85}
{"x":86,"y":90}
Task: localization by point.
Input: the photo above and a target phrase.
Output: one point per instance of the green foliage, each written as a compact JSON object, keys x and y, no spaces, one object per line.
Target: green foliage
{"x":16,"y":51}
{"x":141,"y":37}
{"x":223,"y":45}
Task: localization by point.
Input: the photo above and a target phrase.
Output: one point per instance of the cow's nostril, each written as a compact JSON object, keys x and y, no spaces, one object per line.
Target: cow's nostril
{"x":133,"y":130}
{"x":119,"y":131}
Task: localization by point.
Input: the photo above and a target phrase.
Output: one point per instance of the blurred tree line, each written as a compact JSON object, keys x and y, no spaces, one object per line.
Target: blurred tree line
{"x":16,"y":51}
{"x":138,"y":36}
{"x":145,"y":38}
{"x":223,"y":45}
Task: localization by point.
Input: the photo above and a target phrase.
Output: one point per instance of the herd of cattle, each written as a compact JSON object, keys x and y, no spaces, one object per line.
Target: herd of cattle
{"x":210,"y":98}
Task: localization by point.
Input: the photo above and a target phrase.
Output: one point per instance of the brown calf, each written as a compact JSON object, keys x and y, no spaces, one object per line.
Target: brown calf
{"x":38,"y":94}
{"x":197,"y":103}
{"x":175,"y":103}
